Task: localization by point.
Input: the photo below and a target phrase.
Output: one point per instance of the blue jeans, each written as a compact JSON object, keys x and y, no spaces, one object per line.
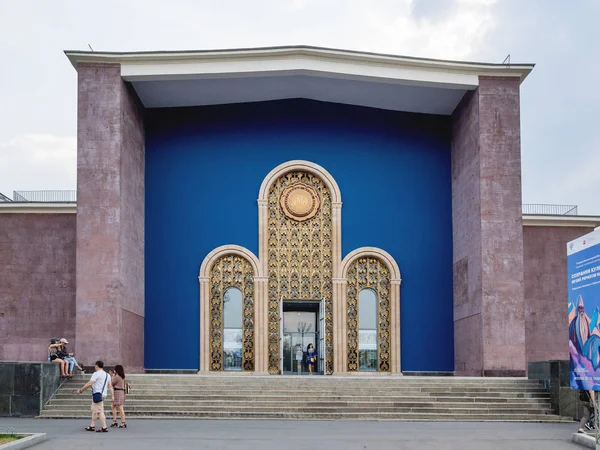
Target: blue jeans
{"x":72,"y":363}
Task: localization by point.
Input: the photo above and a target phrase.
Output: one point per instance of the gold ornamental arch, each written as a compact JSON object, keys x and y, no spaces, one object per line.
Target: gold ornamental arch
{"x":299,"y":212}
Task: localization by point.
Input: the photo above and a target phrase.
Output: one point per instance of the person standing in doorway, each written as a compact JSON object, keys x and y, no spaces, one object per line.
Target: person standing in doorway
{"x":311,"y":358}
{"x":99,"y":383}
{"x":117,"y":377}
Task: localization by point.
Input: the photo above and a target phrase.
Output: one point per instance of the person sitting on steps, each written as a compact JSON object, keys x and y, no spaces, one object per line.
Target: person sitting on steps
{"x":53,"y":355}
{"x":69,"y":357}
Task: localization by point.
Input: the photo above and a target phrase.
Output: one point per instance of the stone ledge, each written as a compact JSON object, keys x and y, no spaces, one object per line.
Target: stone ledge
{"x":31,"y":439}
{"x":584,"y":440}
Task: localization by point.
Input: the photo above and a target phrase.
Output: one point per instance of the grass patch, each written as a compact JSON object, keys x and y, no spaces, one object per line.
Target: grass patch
{"x":6,"y":438}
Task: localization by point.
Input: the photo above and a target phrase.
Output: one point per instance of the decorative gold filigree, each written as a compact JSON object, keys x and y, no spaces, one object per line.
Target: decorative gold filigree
{"x":300,"y":260}
{"x":231,"y":271}
{"x":369,"y":273}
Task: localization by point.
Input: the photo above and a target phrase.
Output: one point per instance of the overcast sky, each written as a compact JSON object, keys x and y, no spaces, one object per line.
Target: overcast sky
{"x":560,"y":100}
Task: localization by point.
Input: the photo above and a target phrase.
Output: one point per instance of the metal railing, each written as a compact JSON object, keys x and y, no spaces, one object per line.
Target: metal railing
{"x":45,"y":196}
{"x":550,"y":210}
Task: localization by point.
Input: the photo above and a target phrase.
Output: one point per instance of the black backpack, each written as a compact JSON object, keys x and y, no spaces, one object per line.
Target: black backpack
{"x":584,"y":396}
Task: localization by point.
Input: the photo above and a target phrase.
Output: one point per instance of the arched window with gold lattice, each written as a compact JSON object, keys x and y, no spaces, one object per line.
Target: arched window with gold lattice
{"x":368,"y":315}
{"x":232,"y":314}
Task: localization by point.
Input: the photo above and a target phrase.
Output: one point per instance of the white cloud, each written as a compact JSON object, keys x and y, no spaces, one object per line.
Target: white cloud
{"x":38,"y":93}
{"x":38,"y":162}
{"x":453,"y":35}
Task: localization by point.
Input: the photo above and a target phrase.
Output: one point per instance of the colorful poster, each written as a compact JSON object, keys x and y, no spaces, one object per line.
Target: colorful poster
{"x":583,"y":265}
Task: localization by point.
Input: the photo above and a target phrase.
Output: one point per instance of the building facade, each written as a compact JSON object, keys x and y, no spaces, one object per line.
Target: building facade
{"x":235,"y":206}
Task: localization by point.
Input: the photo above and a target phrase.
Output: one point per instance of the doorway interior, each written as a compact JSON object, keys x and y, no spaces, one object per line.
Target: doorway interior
{"x":302,"y":323}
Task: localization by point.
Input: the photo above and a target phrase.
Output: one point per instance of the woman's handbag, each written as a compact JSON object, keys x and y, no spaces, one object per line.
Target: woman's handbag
{"x":97,"y":396}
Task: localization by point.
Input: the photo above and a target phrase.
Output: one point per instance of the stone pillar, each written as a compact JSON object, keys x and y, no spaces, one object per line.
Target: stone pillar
{"x":262,"y":299}
{"x":261,"y":342}
{"x":396,"y":348}
{"x":110,"y":219}
{"x":204,"y":324}
{"x":489,"y":327}
{"x":340,"y":338}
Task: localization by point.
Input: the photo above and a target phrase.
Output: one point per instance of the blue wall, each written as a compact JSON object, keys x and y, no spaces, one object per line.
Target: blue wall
{"x":204,"y":167}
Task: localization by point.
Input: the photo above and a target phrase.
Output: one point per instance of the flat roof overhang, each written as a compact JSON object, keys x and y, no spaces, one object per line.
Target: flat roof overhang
{"x":210,"y":77}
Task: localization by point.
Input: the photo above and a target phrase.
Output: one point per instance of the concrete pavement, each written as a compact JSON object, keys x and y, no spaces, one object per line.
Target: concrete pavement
{"x":298,"y":435}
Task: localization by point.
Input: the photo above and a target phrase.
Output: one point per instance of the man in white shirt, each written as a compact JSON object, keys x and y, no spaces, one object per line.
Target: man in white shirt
{"x":100,"y":382}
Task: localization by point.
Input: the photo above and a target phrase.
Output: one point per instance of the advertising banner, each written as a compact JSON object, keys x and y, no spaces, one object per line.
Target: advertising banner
{"x":583,"y":267}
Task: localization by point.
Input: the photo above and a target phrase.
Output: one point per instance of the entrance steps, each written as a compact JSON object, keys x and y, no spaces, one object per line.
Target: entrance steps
{"x":319,"y":397}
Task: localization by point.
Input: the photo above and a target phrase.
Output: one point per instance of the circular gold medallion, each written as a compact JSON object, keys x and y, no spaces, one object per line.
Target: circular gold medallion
{"x":299,"y":202}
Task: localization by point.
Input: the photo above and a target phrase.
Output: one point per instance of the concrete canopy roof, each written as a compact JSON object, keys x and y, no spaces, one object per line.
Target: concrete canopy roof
{"x":208,"y":77}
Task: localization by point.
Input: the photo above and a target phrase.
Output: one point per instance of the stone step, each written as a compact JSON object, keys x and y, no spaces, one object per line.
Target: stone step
{"x":167,"y":395}
{"x":398,"y":384}
{"x":395,"y":388}
{"x":293,"y":394}
{"x":328,"y":416}
{"x":269,"y":380}
{"x":170,"y":395}
{"x":308,"y":404}
{"x":336,"y":398}
{"x":316,"y":409}
{"x":59,"y":403}
{"x":314,"y":412}
{"x":317,"y":386}
{"x":146,"y":385}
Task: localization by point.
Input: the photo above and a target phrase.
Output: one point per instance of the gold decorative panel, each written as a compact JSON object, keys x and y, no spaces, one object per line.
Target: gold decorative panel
{"x":231,"y":271}
{"x":300,"y":253}
{"x":369,"y":273}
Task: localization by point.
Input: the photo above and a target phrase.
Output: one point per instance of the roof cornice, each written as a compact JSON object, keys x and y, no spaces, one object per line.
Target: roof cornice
{"x":37,"y":208}
{"x":317,"y":53}
{"x":561,"y":221}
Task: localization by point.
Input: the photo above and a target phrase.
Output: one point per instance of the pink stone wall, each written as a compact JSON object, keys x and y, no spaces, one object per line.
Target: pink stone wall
{"x":503,"y":302}
{"x":110,"y":218}
{"x":487,"y":231}
{"x":37,"y":284}
{"x":545,"y":254}
{"x":132,"y":229}
{"x":466,"y":230}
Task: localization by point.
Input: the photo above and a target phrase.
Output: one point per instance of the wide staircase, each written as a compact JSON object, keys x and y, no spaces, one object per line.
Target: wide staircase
{"x":318,"y":397}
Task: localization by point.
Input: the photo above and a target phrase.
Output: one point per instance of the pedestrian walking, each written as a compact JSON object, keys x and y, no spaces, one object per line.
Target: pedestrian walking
{"x":117,"y":377}
{"x":587,"y":399}
{"x":99,"y":383}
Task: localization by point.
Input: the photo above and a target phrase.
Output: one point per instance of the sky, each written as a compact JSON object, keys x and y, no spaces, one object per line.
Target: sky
{"x":560,"y":100}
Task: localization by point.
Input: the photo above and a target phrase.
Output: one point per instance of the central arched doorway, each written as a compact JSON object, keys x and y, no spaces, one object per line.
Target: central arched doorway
{"x":301,"y":290}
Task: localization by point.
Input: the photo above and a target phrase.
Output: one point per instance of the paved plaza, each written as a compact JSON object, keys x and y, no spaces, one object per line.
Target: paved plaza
{"x":298,"y":435}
